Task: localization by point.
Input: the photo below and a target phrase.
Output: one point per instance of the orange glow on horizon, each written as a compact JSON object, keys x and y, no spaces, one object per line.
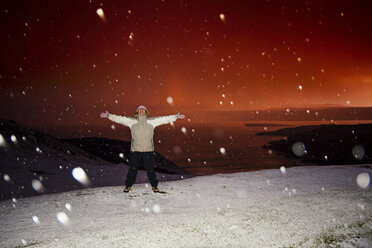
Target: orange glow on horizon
{"x":64,"y":64}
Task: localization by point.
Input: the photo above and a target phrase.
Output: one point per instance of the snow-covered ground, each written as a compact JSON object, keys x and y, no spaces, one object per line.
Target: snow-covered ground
{"x":297,"y":207}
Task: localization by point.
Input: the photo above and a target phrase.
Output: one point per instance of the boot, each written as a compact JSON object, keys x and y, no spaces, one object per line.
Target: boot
{"x":127,"y":189}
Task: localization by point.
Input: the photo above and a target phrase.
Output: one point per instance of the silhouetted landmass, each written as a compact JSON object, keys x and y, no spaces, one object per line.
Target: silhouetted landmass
{"x":293,"y":130}
{"x":110,"y":150}
{"x":265,"y":125}
{"x":311,"y":113}
{"x":326,"y":144}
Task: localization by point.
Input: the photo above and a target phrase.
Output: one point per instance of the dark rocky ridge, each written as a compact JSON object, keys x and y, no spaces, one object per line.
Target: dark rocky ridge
{"x":109,"y":150}
{"x":27,"y":154}
{"x":334,"y":141}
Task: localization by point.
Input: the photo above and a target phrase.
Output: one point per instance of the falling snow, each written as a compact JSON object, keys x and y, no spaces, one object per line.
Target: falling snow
{"x":13,"y":138}
{"x":363,"y":180}
{"x":35,"y":219}
{"x":101,"y":14}
{"x":183,"y":129}
{"x":80,"y":176}
{"x":37,"y":186}
{"x":358,"y":152}
{"x":2,"y":140}
{"x":197,"y":58}
{"x":223,"y":151}
{"x":299,"y":149}
{"x":6,"y":178}
{"x":170,"y":100}
{"x":156,"y":208}
{"x":63,"y":218}
{"x":222,"y":17}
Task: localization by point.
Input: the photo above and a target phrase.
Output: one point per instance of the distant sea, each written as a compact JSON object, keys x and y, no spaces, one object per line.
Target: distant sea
{"x":226,"y":147}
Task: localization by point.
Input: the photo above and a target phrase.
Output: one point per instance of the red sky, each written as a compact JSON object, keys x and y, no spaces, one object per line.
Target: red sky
{"x":61,"y":64}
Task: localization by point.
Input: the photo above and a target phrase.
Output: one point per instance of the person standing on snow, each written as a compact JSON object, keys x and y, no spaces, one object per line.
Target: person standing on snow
{"x":142,"y":145}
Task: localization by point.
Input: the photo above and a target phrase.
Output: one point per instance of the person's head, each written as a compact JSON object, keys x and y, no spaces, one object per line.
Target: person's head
{"x":141,"y":110}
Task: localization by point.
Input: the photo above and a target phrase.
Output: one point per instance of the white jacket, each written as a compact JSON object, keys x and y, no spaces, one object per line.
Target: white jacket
{"x":142,"y":129}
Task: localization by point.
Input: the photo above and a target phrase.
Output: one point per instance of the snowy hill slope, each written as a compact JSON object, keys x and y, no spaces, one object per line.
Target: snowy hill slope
{"x":297,"y":207}
{"x":30,"y":158}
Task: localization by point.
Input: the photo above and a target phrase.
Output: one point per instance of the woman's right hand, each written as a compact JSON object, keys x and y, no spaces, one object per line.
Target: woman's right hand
{"x":104,"y":114}
{"x":179,"y":116}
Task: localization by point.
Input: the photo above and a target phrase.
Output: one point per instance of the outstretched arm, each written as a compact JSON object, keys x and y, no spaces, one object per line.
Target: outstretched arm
{"x":127,"y":121}
{"x":157,"y":121}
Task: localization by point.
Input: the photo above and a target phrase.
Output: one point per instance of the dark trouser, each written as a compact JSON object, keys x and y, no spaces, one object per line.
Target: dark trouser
{"x":148,"y":162}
